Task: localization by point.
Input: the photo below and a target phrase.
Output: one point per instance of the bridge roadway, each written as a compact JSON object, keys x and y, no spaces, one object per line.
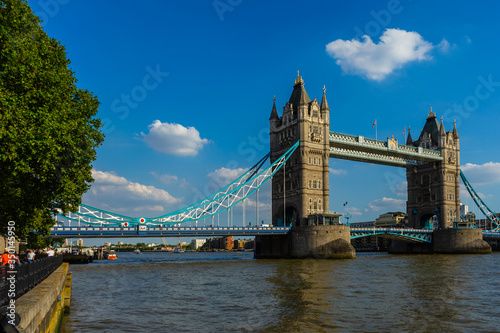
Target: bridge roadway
{"x":408,"y":235}
{"x":166,"y":231}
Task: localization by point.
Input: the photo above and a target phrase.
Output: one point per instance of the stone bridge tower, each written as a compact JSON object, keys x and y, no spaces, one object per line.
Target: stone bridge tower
{"x":433,"y":188}
{"x":304,"y":189}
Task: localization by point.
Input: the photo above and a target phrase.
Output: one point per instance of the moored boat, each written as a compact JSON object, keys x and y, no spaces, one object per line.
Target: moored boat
{"x":110,"y":254}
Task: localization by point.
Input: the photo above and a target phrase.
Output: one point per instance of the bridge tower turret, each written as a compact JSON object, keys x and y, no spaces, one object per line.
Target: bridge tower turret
{"x":303,"y":189}
{"x":433,"y":188}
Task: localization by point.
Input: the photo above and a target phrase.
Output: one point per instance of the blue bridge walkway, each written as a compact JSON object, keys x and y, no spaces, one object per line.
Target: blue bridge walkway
{"x":407,"y":235}
{"x":170,"y":231}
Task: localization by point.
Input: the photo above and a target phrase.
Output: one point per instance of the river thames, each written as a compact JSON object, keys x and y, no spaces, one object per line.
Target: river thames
{"x":225,"y":292}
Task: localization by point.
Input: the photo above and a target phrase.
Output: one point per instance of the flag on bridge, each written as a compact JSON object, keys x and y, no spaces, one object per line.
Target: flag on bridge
{"x":374,"y":123}
{"x":345,"y":203}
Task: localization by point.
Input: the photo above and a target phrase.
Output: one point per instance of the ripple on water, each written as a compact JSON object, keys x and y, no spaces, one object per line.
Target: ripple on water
{"x":219,"y":292}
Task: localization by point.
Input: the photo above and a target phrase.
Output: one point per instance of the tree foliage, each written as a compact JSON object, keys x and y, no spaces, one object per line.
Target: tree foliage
{"x":48,"y":130}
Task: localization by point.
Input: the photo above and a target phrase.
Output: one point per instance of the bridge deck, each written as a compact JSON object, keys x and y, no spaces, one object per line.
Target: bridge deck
{"x":408,"y":235}
{"x":145,"y":231}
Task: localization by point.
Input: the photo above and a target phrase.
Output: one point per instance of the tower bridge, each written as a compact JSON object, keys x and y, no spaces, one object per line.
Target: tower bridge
{"x":432,"y":162}
{"x":301,"y":145}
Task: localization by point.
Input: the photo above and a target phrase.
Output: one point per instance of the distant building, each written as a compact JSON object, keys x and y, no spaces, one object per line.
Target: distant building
{"x":79,"y":242}
{"x":66,"y":243}
{"x":120,"y":243}
{"x":107,"y":244}
{"x":227,"y":243}
{"x":222,"y":243}
{"x":464,"y":209}
{"x":197,"y":243}
{"x":484,"y":223}
{"x":152,"y":245}
{"x":390,"y":219}
{"x":470,"y":217}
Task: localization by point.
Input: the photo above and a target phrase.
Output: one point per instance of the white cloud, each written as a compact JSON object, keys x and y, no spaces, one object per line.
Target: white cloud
{"x":375,"y":61}
{"x":445,"y":46}
{"x":355,"y":211}
{"x":387,"y":205}
{"x":112,"y":192}
{"x":477,"y":175}
{"x":174,"y":139}
{"x":224,"y":176}
{"x":107,"y":178}
{"x":155,"y":208}
{"x":468,"y":40}
{"x":337,"y":172}
{"x":166,"y":178}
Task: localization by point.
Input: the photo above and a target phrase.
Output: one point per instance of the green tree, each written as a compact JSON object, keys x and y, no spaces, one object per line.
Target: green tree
{"x":48,"y":130}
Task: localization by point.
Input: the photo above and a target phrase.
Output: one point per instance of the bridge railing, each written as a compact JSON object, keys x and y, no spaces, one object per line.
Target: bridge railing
{"x":25,"y":276}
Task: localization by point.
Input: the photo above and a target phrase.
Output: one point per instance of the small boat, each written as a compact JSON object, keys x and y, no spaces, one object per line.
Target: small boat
{"x":137,"y":251}
{"x":111,"y":254}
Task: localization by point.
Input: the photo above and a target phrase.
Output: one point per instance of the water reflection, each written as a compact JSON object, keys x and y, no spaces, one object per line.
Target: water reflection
{"x":304,"y":292}
{"x":379,"y":293}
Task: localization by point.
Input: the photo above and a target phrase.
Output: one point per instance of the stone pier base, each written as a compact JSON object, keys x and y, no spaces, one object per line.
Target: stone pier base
{"x":320,"y":242}
{"x":447,"y":241}
{"x":460,"y":241}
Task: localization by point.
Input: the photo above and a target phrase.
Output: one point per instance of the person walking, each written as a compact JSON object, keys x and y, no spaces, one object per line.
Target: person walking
{"x":31,"y":255}
{"x":6,"y":257}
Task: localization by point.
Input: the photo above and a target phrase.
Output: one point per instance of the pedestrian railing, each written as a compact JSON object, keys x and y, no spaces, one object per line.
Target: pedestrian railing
{"x":16,"y":281}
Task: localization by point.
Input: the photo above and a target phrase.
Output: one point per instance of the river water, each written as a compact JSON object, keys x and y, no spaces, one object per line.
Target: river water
{"x":226,"y":292}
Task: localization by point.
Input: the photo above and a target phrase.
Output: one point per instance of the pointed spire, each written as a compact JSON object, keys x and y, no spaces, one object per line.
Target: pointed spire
{"x":409,"y":140}
{"x":324,"y":103}
{"x":431,"y":114}
{"x":298,"y":80}
{"x":455,"y":133}
{"x":431,"y":127}
{"x":274,"y":112}
{"x":299,"y":95}
{"x":442,"y":132}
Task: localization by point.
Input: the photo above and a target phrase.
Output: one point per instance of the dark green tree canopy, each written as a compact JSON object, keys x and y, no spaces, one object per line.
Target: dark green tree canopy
{"x":48,"y":130}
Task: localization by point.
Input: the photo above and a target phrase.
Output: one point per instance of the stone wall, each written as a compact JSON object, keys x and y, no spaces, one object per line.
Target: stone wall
{"x":42,"y":307}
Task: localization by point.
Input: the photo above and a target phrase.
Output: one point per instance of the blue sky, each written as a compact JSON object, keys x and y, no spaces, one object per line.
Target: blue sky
{"x":186,"y":89}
